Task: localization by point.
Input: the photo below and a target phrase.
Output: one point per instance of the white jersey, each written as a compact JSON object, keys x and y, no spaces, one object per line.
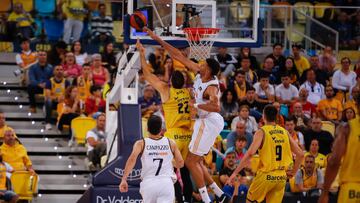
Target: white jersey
{"x":199,"y":89}
{"x":156,"y":158}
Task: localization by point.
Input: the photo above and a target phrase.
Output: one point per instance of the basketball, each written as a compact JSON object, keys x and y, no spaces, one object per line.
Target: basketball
{"x":138,"y":20}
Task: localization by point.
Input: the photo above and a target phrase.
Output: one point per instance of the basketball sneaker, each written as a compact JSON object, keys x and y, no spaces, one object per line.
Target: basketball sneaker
{"x":223,"y":199}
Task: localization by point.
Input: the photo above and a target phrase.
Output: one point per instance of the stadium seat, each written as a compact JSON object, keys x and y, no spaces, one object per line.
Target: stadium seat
{"x":321,"y":7}
{"x":118,"y":31}
{"x":328,"y":126}
{"x":281,"y":11}
{"x":24,"y":184}
{"x":45,"y":7}
{"x":240,"y":10}
{"x":303,"y":7}
{"x":295,"y":37}
{"x":6,"y":47}
{"x":54,"y":29}
{"x":28,"y":5}
{"x":80,"y":126}
{"x":224,"y":133}
{"x":5,"y":6}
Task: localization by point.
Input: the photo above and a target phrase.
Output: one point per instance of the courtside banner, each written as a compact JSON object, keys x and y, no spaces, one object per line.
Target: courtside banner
{"x":112,"y":194}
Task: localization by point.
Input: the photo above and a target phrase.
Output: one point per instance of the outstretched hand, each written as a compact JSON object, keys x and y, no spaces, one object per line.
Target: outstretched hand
{"x":140,"y":47}
{"x":150,"y":32}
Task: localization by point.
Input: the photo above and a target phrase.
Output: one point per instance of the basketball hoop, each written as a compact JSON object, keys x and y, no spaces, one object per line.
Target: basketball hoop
{"x":201,"y":41}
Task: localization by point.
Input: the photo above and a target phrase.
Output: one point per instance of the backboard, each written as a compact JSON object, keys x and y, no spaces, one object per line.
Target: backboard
{"x":239,"y":21}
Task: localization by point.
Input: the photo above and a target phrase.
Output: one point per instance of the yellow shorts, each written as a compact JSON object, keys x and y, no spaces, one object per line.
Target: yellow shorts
{"x":182,"y":138}
{"x":269,"y":185}
{"x":349,"y":193}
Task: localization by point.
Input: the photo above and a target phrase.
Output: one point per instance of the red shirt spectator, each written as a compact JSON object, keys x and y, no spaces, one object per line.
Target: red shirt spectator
{"x":94,"y":103}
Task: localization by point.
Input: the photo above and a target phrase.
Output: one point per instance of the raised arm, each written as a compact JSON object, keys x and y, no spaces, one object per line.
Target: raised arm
{"x":258,"y":138}
{"x":159,"y":85}
{"x":130,"y":163}
{"x":174,"y":52}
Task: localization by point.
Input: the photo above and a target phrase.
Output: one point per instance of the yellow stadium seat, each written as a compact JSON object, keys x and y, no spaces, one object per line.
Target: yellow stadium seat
{"x":321,"y":7}
{"x":80,"y":126}
{"x":27,"y":4}
{"x":328,"y":126}
{"x":5,"y":5}
{"x":118,"y":31}
{"x":293,"y":36}
{"x":281,"y":10}
{"x":240,"y":10}
{"x":24,"y":184}
{"x":303,"y":7}
{"x":6,"y":46}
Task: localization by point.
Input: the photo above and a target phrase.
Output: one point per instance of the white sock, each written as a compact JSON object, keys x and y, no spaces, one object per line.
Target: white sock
{"x":204,"y":195}
{"x":218,"y":192}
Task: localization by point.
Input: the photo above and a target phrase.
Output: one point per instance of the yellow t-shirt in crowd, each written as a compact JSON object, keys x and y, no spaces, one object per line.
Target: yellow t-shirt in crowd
{"x":320,"y":160}
{"x":332,"y":107}
{"x":73,"y":4}
{"x":22,"y":19}
{"x":16,"y":156}
{"x":302,"y":65}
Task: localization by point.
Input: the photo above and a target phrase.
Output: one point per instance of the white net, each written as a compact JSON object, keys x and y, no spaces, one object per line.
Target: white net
{"x":201,"y":41}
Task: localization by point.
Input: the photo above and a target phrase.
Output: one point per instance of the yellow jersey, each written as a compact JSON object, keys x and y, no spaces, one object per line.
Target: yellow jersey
{"x":58,"y":89}
{"x":302,"y":64}
{"x":28,"y":58}
{"x":332,"y":107}
{"x":176,"y":109}
{"x":16,"y":156}
{"x":2,"y":176}
{"x":83,"y":88}
{"x":275,"y":153}
{"x":350,"y":164}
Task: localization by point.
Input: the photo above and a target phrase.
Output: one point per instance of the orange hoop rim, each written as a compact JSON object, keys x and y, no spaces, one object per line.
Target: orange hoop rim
{"x":199,"y":32}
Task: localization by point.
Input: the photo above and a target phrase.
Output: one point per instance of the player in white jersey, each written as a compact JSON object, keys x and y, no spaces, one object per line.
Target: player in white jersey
{"x":157,"y":154}
{"x":209,"y":123}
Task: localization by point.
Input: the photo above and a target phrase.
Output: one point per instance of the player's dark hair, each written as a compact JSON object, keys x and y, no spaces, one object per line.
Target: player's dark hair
{"x":101,"y":5}
{"x":213,"y":65}
{"x":270,"y":113}
{"x":154,"y":124}
{"x":290,"y":119}
{"x":285,"y":74}
{"x":177,"y":79}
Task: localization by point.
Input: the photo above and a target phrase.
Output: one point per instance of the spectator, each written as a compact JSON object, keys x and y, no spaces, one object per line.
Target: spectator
{"x":327,"y":60}
{"x":229,"y":105}
{"x":322,"y":75}
{"x":245,"y":52}
{"x":71,"y":69}
{"x":149,"y":102}
{"x":252,"y":103}
{"x":348,"y":114}
{"x":74,"y":12}
{"x":94,"y":103}
{"x":239,"y":148}
{"x":314,"y":151}
{"x":301,"y":62}
{"x":39,"y":74}
{"x":240,"y":131}
{"x":250,"y":75}
{"x":268,"y":69}
{"x":157,"y":60}
{"x":56,"y":56}
{"x":225,"y":173}
{"x":240,"y":85}
{"x":330,"y":109}
{"x":100,"y":74}
{"x":324,"y":137}
{"x":351,"y":102}
{"x":7,"y":195}
{"x":96,"y":139}
{"x":80,"y":55}
{"x":277,"y":56}
{"x":227,"y":61}
{"x":286,"y":93}
{"x":290,"y":67}
{"x":3,"y":126}
{"x":250,"y":122}
{"x":108,"y":58}
{"x":279,"y":118}
{"x":301,"y":120}
{"x":26,"y":58}
{"x":20,"y":22}
{"x":102,"y":26}
{"x":265,"y":92}
{"x":15,"y":154}
{"x":308,"y":108}
{"x":316,"y":90}
{"x":310,"y":179}
{"x":343,"y":79}
{"x":71,"y":107}
{"x":297,"y":136}
{"x":345,"y":30}
{"x":54,"y":93}
{"x":84,"y":82}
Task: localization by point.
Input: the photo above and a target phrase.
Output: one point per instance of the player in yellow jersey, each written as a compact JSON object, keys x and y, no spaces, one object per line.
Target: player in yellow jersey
{"x":275,"y":153}
{"x":346,"y":152}
{"x":175,"y":102}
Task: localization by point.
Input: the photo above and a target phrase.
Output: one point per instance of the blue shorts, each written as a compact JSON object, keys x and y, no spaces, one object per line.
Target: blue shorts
{"x":8,"y":195}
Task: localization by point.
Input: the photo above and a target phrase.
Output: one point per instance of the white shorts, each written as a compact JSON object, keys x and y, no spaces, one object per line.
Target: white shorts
{"x":205,"y":132}
{"x":157,"y":190}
